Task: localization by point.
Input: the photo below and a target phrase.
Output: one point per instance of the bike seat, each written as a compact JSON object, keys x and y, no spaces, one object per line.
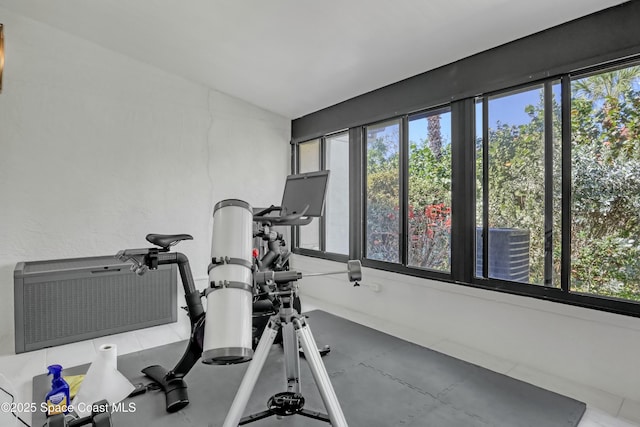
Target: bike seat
{"x":166,"y":240}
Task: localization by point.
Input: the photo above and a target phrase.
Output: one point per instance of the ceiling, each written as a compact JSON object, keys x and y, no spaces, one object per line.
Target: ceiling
{"x":294,"y":57}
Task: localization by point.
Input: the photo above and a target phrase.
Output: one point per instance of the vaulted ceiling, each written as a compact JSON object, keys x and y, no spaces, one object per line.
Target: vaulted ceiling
{"x":294,"y":57}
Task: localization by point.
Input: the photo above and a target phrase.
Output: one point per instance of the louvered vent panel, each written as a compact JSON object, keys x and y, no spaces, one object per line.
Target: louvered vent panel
{"x":62,"y":301}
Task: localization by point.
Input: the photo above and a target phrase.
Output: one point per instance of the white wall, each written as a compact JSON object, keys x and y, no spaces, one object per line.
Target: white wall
{"x":597,"y":349}
{"x":98,"y":149}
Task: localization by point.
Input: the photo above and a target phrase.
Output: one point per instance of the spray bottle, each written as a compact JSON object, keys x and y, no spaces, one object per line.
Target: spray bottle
{"x":58,"y":398}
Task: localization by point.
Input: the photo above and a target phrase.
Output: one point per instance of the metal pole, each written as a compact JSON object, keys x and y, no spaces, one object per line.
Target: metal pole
{"x":320,"y":375}
{"x":251,"y":375}
{"x":291,"y":358}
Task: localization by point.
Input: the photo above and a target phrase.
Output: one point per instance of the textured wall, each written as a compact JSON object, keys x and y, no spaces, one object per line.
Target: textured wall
{"x":98,"y":149}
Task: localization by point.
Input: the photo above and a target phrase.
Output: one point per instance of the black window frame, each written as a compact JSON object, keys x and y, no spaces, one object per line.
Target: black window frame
{"x":546,"y":86}
{"x":402,"y":266}
{"x":295,"y":230}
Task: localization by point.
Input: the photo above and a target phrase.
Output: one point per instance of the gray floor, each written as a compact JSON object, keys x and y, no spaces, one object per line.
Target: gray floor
{"x":380,"y":380}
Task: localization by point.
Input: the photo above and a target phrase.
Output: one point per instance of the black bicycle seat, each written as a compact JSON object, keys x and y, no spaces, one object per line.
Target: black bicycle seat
{"x":166,"y":240}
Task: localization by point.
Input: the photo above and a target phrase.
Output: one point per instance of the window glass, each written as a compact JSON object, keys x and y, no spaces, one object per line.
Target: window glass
{"x":337,"y":200}
{"x":605,"y":166}
{"x":383,"y":189}
{"x":309,"y":161}
{"x":309,"y":156}
{"x":556,"y":264}
{"x":520,"y":224}
{"x":479,"y":186}
{"x":429,"y":210}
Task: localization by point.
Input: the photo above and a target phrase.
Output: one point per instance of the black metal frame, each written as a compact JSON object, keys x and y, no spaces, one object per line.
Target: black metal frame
{"x":463,"y":190}
{"x":546,"y":86}
{"x":485,"y":186}
{"x":610,"y":38}
{"x":402,"y":266}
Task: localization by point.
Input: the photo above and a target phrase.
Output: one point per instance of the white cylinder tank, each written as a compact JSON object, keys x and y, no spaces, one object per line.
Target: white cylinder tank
{"x":228,"y":323}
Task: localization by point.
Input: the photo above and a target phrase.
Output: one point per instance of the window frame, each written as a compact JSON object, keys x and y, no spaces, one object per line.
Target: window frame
{"x":546,"y":86}
{"x":295,"y":230}
{"x":463,"y":123}
{"x":325,"y":164}
{"x":402,"y":266}
{"x":418,"y":115}
{"x":567,"y":177}
{"x":564,"y":293}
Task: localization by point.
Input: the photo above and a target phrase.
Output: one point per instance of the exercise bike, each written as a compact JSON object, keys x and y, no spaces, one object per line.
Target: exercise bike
{"x":172,"y":381}
{"x":271,"y":256}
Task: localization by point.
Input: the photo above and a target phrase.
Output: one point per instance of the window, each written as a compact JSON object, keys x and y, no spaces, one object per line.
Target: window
{"x":429,"y":210}
{"x":383,"y":191}
{"x":408,"y":191}
{"x":520,"y":177}
{"x":309,"y":161}
{"x":329,"y":234}
{"x":605,"y":166}
{"x":336,"y":211}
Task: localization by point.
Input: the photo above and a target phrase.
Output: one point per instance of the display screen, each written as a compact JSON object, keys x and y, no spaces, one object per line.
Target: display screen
{"x":305,"y":189}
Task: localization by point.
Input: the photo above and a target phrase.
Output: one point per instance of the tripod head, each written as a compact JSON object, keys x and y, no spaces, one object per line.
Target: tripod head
{"x":353,"y":271}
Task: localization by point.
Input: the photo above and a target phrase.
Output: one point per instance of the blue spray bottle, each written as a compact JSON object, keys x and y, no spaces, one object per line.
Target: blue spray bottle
{"x":58,"y":398}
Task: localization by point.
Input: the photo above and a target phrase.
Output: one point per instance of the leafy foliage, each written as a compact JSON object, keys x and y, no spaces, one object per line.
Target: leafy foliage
{"x":605,"y":123}
{"x":517,"y":181}
{"x":605,"y":205}
{"x":429,"y":212}
{"x":383,"y":198}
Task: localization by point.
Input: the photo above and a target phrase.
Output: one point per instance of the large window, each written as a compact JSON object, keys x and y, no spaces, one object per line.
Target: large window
{"x":605,"y":165}
{"x":496,"y":171}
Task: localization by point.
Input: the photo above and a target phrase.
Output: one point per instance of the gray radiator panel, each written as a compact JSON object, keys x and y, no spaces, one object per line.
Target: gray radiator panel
{"x":63,"y":301}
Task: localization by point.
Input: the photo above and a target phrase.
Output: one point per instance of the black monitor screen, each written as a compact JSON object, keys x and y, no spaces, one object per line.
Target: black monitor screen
{"x":305,"y":189}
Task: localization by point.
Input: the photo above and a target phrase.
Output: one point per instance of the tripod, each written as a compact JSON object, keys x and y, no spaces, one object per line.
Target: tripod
{"x":294,"y":330}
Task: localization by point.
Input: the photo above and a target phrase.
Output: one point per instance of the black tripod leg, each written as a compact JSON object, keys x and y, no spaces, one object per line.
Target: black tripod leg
{"x":255,"y":417}
{"x":315,"y":415}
